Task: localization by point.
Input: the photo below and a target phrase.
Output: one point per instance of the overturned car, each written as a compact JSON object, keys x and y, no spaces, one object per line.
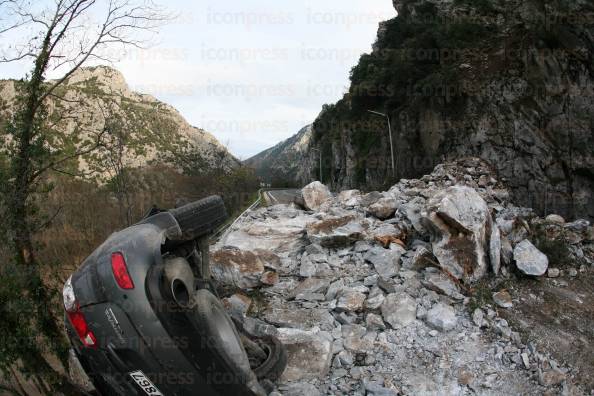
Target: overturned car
{"x":144,"y":317}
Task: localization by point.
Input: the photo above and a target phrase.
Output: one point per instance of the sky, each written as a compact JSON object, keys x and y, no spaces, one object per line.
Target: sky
{"x":252,"y":72}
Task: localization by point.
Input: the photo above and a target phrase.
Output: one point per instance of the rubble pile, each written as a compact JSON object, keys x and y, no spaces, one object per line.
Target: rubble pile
{"x":375,"y":294}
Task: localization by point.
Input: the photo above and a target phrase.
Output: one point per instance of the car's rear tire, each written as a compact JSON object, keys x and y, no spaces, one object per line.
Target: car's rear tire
{"x":276,"y":362}
{"x":209,"y":318}
{"x":200,"y":218}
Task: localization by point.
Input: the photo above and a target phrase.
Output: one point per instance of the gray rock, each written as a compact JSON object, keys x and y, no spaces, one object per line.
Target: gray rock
{"x":478,"y":317}
{"x":239,"y":267}
{"x":374,"y":322}
{"x":383,"y":208}
{"x":413,"y":212}
{"x":314,"y":195}
{"x":507,"y":251}
{"x":529,"y":259}
{"x":399,"y":310}
{"x":460,"y":219}
{"x":355,"y":339}
{"x":314,"y":249}
{"x":385,"y":261}
{"x":292,"y":317}
{"x":375,"y":299}
{"x":441,"y":283}
{"x":361,"y":246}
{"x":555,"y":219}
{"x":237,"y":304}
{"x":336,"y":232}
{"x":386,"y":285}
{"x":376,"y":388}
{"x":349,"y":197}
{"x":310,"y":285}
{"x":308,"y":268}
{"x":495,"y":249}
{"x":350,"y":300}
{"x":370,"y":198}
{"x":346,"y":358}
{"x":334,"y":289}
{"x":503,"y":299}
{"x":309,"y":354}
{"x":299,"y":389}
{"x":442,"y":317}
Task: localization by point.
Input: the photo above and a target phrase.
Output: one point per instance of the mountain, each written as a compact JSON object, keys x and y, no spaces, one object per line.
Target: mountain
{"x":96,"y":104}
{"x":508,"y":81}
{"x":279,"y":164}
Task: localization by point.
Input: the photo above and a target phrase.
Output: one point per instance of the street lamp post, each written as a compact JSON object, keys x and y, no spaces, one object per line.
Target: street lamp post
{"x":390,"y":134}
{"x":320,"y":151}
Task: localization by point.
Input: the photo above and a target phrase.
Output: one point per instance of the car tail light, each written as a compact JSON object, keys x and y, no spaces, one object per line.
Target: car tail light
{"x":120,"y":271}
{"x":76,"y":317}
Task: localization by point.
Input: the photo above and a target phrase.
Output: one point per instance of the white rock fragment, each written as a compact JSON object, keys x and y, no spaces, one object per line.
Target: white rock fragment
{"x":529,"y":259}
{"x":399,"y":310}
{"x":315,"y":194}
{"x":442,"y":317}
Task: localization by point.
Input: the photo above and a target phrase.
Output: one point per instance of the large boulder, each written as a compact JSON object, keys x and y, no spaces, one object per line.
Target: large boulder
{"x":279,"y":233}
{"x":314,"y":195}
{"x":334,"y":232}
{"x":242,"y":268}
{"x":461,"y":224}
{"x":529,"y":259}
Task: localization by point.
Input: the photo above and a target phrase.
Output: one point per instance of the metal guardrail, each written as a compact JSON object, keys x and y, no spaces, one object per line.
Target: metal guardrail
{"x":222,"y":232}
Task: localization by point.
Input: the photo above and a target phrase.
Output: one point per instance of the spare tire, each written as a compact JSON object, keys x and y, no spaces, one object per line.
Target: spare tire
{"x":219,"y":335}
{"x":200,"y":218}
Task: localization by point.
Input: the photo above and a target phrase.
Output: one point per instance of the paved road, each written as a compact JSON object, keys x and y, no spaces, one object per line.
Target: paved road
{"x":275,"y":197}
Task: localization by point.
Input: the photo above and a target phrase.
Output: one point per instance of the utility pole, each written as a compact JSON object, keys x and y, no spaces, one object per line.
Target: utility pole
{"x":320,"y":151}
{"x":390,"y":134}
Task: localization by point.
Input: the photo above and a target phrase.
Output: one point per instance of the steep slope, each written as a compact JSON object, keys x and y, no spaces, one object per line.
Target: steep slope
{"x":508,"y":81}
{"x":279,"y":164}
{"x":96,"y":104}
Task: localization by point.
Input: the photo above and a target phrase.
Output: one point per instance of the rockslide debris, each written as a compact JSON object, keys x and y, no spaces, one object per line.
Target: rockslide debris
{"x":373,"y":293}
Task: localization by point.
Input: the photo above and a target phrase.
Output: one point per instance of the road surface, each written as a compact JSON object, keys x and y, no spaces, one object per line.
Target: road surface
{"x":275,"y":197}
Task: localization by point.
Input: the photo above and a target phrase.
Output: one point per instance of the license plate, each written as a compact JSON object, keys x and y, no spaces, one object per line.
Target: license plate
{"x":147,"y":386}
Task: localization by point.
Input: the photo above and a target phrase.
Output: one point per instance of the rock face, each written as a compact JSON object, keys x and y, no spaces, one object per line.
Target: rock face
{"x":154,"y":132}
{"x":529,"y":119}
{"x":281,"y":162}
{"x":461,"y":224}
{"x":529,"y":259}
{"x":315,"y":194}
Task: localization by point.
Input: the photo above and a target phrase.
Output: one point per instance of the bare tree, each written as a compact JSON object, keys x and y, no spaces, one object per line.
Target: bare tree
{"x":60,"y":37}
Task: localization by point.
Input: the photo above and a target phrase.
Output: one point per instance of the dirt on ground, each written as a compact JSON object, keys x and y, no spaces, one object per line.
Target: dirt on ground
{"x":557,"y":314}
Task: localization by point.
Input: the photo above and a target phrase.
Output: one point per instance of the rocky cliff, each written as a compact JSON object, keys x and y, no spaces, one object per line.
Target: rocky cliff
{"x":280,"y":164}
{"x":508,"y":81}
{"x":96,"y":104}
